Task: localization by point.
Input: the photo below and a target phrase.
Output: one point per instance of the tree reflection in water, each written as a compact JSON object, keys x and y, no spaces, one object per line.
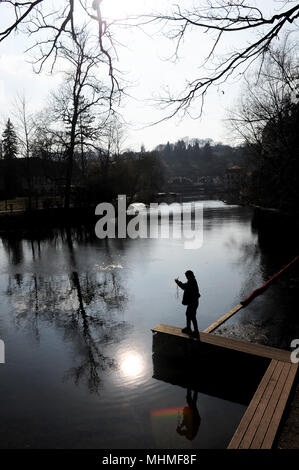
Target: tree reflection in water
{"x":272,"y":318}
{"x":85,"y":305}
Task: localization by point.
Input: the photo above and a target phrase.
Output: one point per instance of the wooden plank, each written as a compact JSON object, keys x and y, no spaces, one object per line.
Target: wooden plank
{"x":223,"y":318}
{"x":266,"y":431}
{"x":246,"y":347}
{"x":229,"y":343}
{"x":258,"y":415}
{"x":245,"y":421}
{"x":268,"y":414}
{"x":278,"y":412}
{"x":169,"y":329}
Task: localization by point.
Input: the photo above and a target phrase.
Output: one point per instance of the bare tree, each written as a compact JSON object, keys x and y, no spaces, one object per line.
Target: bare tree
{"x":81,"y":92}
{"x":54,"y":23}
{"x":223,"y":20}
{"x":267,"y":119}
{"x":266,"y":94}
{"x":48,"y":143}
{"x":112,"y":141}
{"x":115,"y":136}
{"x":26,"y":130}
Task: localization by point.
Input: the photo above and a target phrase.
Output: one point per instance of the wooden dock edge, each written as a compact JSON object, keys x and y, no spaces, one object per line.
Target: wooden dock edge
{"x":233,"y":344}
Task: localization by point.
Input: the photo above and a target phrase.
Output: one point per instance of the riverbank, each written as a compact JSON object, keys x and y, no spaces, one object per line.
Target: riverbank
{"x":274,"y":211}
{"x":46,"y":218}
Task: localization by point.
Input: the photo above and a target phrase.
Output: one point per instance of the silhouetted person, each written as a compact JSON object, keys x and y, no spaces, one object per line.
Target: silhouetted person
{"x":190,"y":298}
{"x":191,"y":419}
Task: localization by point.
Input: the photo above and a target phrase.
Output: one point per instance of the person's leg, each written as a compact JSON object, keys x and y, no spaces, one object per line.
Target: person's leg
{"x":188,"y":317}
{"x":188,"y":321}
{"x":195,"y":325}
{"x":193,"y":316}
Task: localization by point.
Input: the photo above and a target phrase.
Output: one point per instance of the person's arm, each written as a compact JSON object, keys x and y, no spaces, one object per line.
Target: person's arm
{"x":180,"y":284}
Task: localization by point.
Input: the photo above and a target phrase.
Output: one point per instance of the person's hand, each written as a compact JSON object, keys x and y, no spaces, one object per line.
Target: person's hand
{"x":176,"y":279}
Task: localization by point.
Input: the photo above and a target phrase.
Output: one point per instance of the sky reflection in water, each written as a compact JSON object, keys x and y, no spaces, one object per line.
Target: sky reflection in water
{"x":76,"y":315}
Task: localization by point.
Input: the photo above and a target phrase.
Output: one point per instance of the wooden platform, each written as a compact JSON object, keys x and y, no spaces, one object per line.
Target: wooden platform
{"x":229,"y":343}
{"x":259,"y":425}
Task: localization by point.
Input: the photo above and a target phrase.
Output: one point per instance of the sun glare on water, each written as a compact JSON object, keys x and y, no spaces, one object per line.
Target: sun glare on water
{"x":131,"y":364}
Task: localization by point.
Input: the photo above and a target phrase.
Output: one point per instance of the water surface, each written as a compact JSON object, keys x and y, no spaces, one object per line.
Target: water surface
{"x":76,"y":315}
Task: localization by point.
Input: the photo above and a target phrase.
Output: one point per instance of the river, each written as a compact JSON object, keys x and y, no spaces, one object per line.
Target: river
{"x":76,"y":315}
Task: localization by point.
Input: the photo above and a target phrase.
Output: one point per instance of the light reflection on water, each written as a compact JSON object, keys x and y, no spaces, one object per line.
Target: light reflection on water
{"x":131,"y":366}
{"x":76,"y":314}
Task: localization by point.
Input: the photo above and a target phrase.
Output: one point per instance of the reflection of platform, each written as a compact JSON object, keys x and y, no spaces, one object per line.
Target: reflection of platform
{"x":220,"y":374}
{"x":231,"y":369}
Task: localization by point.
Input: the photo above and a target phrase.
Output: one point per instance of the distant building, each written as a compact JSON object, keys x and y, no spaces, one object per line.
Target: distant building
{"x":233,"y":177}
{"x":180,"y":180}
{"x":208,"y":181}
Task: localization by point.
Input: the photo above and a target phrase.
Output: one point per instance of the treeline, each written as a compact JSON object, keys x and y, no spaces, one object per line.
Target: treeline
{"x":193,"y":158}
{"x":101,"y":169}
{"x":274,"y":180}
{"x":97,"y":175}
{"x":267,"y":119}
{"x":138,"y":175}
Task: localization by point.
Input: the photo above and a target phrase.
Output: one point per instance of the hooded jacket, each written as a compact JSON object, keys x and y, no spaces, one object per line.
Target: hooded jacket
{"x":191,"y":291}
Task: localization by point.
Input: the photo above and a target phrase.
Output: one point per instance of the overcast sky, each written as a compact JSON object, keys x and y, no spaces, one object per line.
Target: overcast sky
{"x":143,"y":59}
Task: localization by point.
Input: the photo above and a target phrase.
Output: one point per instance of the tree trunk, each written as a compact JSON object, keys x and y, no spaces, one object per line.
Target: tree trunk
{"x":70,"y":161}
